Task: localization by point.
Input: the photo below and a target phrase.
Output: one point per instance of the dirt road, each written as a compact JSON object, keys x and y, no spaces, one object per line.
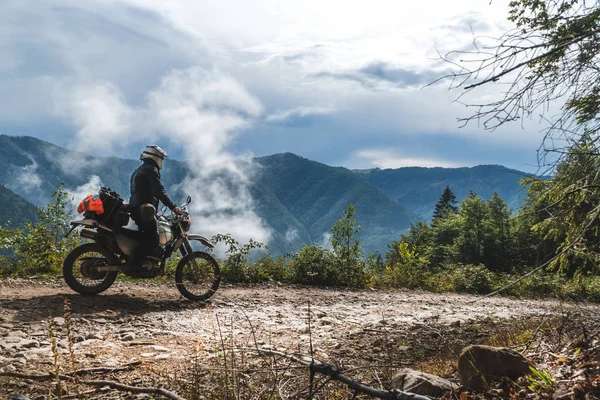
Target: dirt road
{"x":154,"y":324}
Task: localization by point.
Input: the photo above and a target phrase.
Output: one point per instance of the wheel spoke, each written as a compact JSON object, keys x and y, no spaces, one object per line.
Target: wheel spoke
{"x":198,"y":277}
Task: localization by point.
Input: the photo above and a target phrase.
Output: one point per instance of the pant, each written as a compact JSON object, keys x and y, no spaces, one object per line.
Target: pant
{"x":149,"y":229}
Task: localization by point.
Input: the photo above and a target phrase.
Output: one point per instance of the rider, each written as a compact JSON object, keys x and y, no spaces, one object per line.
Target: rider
{"x":146,"y":190}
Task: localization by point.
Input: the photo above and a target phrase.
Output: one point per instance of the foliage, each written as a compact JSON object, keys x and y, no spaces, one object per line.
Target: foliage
{"x":40,"y":248}
{"x":233,"y":268}
{"x":410,"y":270}
{"x":568,"y":207}
{"x":347,"y":249}
{"x":470,"y":279}
{"x":313,"y":265}
{"x":551,"y":56}
{"x":267,"y":268}
{"x":445,"y":205}
{"x":540,"y":381}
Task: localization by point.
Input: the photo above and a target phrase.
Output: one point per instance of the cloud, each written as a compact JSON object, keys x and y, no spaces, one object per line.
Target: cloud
{"x":197,"y":111}
{"x":27,"y":182}
{"x":469,"y":22}
{"x":99,"y":113}
{"x":384,"y":158}
{"x":326,"y":241}
{"x":291,"y":234}
{"x":302,"y":116}
{"x":79,"y":193}
{"x":380,"y":75}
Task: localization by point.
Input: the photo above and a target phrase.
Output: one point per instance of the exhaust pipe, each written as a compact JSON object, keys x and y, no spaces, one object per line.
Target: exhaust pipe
{"x":88,"y":234}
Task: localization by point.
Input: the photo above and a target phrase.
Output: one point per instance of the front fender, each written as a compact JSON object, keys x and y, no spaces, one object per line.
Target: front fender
{"x":202,"y":240}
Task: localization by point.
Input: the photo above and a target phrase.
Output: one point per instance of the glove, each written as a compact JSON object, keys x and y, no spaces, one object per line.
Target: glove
{"x":178,"y":211}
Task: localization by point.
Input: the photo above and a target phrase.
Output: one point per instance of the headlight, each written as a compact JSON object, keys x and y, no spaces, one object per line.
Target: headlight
{"x":186,"y":223}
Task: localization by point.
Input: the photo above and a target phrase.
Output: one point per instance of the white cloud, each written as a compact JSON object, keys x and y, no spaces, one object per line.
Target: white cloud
{"x":79,"y":193}
{"x":298,"y":113}
{"x":27,"y":179}
{"x":384,"y":158}
{"x":291,"y":234}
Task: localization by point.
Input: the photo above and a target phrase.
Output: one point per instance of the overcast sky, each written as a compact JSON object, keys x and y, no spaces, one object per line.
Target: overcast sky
{"x":340,"y":82}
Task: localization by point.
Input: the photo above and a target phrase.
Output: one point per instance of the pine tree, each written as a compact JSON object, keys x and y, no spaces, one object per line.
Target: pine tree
{"x":446,"y":204}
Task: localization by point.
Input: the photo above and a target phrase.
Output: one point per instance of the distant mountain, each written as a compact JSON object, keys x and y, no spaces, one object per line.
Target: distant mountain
{"x":15,"y":210}
{"x":418,"y":189}
{"x":315,"y":195}
{"x":298,"y":199}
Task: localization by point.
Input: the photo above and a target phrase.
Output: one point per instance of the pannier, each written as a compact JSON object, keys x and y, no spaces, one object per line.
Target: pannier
{"x":106,"y":207}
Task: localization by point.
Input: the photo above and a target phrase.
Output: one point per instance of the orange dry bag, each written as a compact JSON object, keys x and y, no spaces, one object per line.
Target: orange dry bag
{"x":91,"y":203}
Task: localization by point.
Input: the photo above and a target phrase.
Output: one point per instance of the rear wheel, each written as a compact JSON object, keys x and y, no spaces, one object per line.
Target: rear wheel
{"x":198,"y":280}
{"x":79,"y":271}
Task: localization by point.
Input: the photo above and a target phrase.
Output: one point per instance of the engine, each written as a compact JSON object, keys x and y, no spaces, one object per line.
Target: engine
{"x":165,"y":233}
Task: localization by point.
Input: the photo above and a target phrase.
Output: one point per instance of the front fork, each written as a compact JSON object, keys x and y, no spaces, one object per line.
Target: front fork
{"x":185,"y":248}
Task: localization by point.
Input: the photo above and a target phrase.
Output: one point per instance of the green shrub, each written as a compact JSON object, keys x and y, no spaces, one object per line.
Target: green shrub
{"x":470,"y":279}
{"x":313,"y":265}
{"x":411,"y":270}
{"x":39,"y":248}
{"x":267,"y":268}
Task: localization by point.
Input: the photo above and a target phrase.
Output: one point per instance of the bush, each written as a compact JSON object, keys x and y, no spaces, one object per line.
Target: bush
{"x":39,"y":248}
{"x":470,"y":279}
{"x":313,"y":265}
{"x":537,"y":285}
{"x":410,"y":271}
{"x":267,"y":268}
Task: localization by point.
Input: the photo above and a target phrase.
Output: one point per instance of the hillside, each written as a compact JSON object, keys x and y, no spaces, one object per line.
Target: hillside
{"x":15,"y":210}
{"x":315,"y":194}
{"x":418,"y":188}
{"x":298,"y":199}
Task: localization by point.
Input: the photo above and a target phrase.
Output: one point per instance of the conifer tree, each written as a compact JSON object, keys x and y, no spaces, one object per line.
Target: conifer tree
{"x":446,"y":204}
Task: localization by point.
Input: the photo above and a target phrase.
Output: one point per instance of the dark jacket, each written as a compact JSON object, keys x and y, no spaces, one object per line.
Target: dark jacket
{"x":146,"y":187}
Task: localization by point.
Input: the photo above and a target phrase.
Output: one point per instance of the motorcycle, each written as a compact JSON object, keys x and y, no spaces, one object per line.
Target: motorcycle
{"x":93,"y":267}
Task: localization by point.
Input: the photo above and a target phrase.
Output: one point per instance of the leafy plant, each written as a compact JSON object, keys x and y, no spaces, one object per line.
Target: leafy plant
{"x":541,"y":381}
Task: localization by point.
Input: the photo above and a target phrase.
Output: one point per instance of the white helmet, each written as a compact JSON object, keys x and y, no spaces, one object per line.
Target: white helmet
{"x":155,"y":153}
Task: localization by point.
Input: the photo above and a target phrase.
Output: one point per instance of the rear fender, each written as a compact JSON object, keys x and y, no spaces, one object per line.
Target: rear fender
{"x":88,"y":223}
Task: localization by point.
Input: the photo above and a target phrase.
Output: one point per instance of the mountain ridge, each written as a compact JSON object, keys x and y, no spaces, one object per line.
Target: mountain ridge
{"x":297,"y":198}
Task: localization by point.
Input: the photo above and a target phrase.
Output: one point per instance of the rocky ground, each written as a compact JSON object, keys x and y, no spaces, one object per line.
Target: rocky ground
{"x":153,"y":325}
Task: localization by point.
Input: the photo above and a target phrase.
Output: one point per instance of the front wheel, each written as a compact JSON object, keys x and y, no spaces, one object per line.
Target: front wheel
{"x":198,"y":280}
{"x":79,"y":271}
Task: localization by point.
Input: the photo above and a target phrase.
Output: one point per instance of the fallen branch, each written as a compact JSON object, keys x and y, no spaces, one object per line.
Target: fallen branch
{"x":100,"y":384}
{"x":333,"y":373}
{"x":80,"y":372}
{"x":134,"y":389}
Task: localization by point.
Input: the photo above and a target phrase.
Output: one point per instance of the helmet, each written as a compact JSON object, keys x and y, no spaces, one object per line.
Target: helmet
{"x":155,"y":153}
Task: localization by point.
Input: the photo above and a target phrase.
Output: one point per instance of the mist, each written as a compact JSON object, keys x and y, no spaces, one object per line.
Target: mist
{"x":197,"y":112}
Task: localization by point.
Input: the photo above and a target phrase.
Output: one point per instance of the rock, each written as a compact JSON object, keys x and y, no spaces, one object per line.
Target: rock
{"x":28,"y":343}
{"x":490,"y":362}
{"x":455,"y":324}
{"x":17,"y":334}
{"x":378,"y":342}
{"x":418,"y":382}
{"x":111,"y":362}
{"x":162,"y":356}
{"x":128,"y":337}
{"x":93,"y":335}
{"x":304,"y":329}
{"x":330,"y":321}
{"x":158,"y":348}
{"x":17,"y":396}
{"x":59,"y":321}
